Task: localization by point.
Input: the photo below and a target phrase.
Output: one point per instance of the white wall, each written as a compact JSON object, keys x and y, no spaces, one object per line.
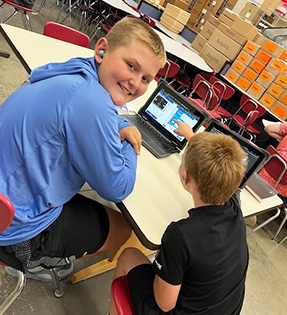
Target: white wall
{"x":241,"y":3}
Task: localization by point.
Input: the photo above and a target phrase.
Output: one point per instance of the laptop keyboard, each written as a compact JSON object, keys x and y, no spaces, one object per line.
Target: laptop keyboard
{"x":151,"y":132}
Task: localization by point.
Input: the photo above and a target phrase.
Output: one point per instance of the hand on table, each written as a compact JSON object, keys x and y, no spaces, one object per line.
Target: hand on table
{"x":133,"y":136}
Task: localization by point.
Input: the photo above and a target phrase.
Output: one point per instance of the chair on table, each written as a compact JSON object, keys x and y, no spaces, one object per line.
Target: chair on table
{"x":66,"y":34}
{"x":170,"y":69}
{"x":7,"y":212}
{"x":276,"y":167}
{"x":121,"y":296}
{"x":208,"y":99}
{"x":225,"y":93}
{"x":246,"y":105}
{"x":148,"y":20}
{"x":23,"y":11}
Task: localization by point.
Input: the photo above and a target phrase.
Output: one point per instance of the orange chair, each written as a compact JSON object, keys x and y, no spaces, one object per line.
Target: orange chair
{"x":122,"y":297}
{"x":276,"y":167}
{"x":7,"y":212}
{"x":66,"y":34}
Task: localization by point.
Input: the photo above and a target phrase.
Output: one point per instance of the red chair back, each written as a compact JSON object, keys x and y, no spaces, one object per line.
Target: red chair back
{"x":66,"y":34}
{"x":148,"y":20}
{"x":276,"y":166}
{"x":250,"y":118}
{"x":6,"y":212}
{"x":122,"y":297}
{"x":225,"y":90}
{"x":169,"y":70}
{"x":249,"y":105}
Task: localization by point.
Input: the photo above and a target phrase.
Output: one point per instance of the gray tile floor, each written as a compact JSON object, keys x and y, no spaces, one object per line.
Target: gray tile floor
{"x":266,"y":285}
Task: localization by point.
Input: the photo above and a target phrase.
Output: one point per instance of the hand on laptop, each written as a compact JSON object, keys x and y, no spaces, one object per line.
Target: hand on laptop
{"x":183,"y":129}
{"x":133,"y":136}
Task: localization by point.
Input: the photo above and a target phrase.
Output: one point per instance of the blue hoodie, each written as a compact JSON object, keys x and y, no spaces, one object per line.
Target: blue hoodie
{"x":56,"y":133}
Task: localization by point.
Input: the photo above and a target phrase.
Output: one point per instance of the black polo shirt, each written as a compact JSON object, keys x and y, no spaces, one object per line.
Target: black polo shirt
{"x":207,"y":254}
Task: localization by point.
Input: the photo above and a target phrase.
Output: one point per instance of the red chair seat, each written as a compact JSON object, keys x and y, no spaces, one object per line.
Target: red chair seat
{"x":122,"y":297}
{"x":18,"y":6}
{"x":240,"y":120}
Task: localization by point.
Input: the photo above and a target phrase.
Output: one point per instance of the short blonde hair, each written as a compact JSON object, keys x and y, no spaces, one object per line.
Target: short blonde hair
{"x":217,"y":164}
{"x":129,"y":29}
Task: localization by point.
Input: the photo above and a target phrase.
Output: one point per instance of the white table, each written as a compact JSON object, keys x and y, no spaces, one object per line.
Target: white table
{"x":121,"y":5}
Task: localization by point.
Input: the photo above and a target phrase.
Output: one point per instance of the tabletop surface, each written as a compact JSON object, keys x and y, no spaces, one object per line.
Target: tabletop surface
{"x":121,"y":5}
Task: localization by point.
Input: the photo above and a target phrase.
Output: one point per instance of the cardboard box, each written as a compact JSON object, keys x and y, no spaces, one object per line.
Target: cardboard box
{"x":198,"y":43}
{"x":207,"y":30}
{"x":202,"y":18}
{"x":275,"y":66}
{"x":231,"y":75}
{"x":251,"y":48}
{"x":192,"y":19}
{"x":256,"y":65}
{"x":263,"y":56}
{"x":182,"y":4}
{"x":224,"y":19}
{"x":214,"y":5}
{"x":231,"y":4}
{"x":214,"y":20}
{"x":269,"y":46}
{"x":256,"y":90}
{"x":213,"y":58}
{"x":279,"y":51}
{"x":245,"y":28}
{"x":283,"y":98}
{"x":271,"y":4}
{"x":230,"y":14}
{"x":275,"y":90}
{"x":259,"y":39}
{"x":196,"y":6}
{"x":221,"y":8}
{"x":237,"y":66}
{"x":224,"y":44}
{"x":244,"y":57}
{"x":249,"y":74}
{"x":280,"y":110}
{"x":267,"y":100}
{"x":281,"y":80}
{"x":243,"y":83}
{"x":251,"y":12}
{"x":232,"y":34}
{"x":265,"y":78}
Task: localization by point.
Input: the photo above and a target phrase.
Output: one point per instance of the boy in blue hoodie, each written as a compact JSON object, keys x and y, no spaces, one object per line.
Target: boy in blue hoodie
{"x":62,"y":130}
{"x":202,"y":263}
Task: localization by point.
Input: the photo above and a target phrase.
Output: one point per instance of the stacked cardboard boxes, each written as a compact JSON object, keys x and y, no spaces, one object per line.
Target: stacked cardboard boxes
{"x":220,"y":40}
{"x":174,"y":18}
{"x":260,"y":69}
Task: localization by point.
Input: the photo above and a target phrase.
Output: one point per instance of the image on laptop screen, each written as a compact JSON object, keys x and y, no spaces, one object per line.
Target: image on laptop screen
{"x":164,"y":108}
{"x":255,"y":154}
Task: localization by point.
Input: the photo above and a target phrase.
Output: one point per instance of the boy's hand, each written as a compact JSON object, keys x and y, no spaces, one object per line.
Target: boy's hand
{"x":133,"y":136}
{"x":183,"y":129}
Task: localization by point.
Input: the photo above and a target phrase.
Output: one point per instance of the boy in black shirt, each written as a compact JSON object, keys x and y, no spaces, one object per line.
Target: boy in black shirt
{"x":201,"y":266}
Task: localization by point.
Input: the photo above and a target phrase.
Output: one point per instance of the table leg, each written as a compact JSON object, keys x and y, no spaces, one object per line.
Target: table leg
{"x":4,"y":54}
{"x":109,"y":263}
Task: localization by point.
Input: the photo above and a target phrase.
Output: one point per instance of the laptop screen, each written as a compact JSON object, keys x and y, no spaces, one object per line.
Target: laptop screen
{"x":164,"y":106}
{"x":255,"y":154}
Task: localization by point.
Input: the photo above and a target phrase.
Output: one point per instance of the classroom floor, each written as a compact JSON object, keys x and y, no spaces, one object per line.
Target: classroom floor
{"x":266,"y":284}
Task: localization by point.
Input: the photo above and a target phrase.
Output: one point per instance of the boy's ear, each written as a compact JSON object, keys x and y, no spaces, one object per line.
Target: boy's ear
{"x":100,"y":49}
{"x":187,"y":177}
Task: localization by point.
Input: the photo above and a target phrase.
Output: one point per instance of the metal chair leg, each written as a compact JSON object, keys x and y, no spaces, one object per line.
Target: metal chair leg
{"x":58,"y":292}
{"x":13,"y":296}
{"x":284,"y":239}
{"x":281,"y":225}
{"x":10,"y":16}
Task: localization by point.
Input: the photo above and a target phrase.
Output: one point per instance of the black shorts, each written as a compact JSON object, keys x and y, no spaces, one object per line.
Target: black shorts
{"x":82,"y":228}
{"x":141,"y":280}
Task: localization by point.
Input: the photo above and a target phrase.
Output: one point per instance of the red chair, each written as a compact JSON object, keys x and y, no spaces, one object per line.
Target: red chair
{"x":122,"y":297}
{"x":170,"y":69}
{"x":66,"y":34}
{"x":148,"y":20}
{"x":7,"y":212}
{"x":225,"y":93}
{"x":23,"y":11}
{"x":246,"y":104}
{"x":276,"y":168}
{"x":207,"y":100}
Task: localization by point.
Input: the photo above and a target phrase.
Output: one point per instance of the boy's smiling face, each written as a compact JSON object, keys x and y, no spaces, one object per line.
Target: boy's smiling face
{"x":126,"y":71}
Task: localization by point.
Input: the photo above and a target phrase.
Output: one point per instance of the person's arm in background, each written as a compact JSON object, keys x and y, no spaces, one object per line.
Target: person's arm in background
{"x":276,"y":130}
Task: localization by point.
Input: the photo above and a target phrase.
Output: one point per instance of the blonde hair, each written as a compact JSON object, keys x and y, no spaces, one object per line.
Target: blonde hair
{"x":129,"y":29}
{"x":217,"y":164}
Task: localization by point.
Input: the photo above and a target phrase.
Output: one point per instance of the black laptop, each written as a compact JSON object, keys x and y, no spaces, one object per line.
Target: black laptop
{"x":155,"y":120}
{"x":256,"y":155}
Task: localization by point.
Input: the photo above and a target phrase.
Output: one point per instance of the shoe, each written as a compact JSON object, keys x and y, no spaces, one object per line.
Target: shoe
{"x":42,"y":274}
